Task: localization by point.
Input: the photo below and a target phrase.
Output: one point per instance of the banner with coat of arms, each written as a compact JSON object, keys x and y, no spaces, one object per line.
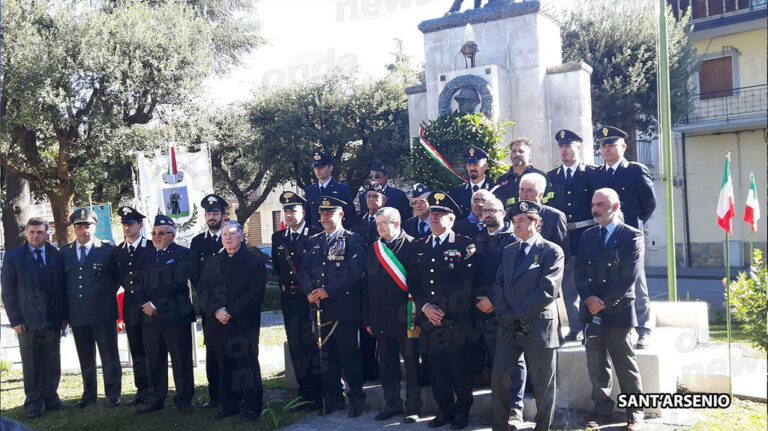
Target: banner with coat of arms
{"x":174,"y":184}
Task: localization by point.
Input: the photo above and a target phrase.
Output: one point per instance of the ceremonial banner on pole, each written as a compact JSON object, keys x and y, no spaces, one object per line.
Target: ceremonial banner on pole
{"x":173,"y":184}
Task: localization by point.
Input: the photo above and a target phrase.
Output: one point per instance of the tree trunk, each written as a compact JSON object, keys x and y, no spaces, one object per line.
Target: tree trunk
{"x":17,"y":209}
{"x":61,"y":205}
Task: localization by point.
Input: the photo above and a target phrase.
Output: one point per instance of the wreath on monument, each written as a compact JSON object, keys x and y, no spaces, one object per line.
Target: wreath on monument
{"x":451,"y":134}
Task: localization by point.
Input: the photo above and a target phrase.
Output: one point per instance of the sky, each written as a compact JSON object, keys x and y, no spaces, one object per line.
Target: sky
{"x":305,"y":38}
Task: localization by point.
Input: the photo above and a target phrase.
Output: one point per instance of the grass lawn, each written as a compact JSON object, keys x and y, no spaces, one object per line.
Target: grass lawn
{"x":741,"y":415}
{"x":717,"y":333}
{"x":272,"y":336}
{"x":100,"y":417}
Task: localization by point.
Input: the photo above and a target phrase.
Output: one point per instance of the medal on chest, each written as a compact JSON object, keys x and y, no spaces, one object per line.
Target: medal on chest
{"x":336,"y":251}
{"x":451,"y":256}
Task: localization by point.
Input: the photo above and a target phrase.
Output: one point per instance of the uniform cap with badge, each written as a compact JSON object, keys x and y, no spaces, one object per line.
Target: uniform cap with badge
{"x":320,"y":159}
{"x":129,"y":215}
{"x":610,"y":135}
{"x":164,"y":220}
{"x":475,"y":155}
{"x":419,"y":189}
{"x":566,"y":137}
{"x":329,"y":203}
{"x":83,"y":216}
{"x":213,"y":203}
{"x":523,"y":207}
{"x":379,"y":167}
{"x":443,"y":202}
{"x":291,"y":200}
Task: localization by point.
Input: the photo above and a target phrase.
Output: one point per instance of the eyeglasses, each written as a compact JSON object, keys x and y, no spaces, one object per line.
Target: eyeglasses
{"x":161,"y":234}
{"x":415,"y":202}
{"x":375,"y":176}
{"x":490,"y":211}
{"x":372,"y":197}
{"x":383,"y":223}
{"x":478,"y":201}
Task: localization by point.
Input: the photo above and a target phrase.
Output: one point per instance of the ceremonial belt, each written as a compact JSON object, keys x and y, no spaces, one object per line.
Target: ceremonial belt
{"x":395,"y":269}
{"x":292,"y":289}
{"x":580,"y":224}
{"x":289,"y":259}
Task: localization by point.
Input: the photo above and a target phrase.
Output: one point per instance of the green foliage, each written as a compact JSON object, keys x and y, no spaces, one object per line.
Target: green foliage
{"x":618,"y":39}
{"x":451,"y":134}
{"x":277,"y":408}
{"x":749,"y":301}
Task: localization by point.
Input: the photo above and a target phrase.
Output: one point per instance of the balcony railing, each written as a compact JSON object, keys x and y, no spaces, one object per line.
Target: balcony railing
{"x":705,"y":9}
{"x":728,"y":105}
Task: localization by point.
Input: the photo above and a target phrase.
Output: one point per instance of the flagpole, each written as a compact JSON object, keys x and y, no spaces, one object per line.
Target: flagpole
{"x":728,"y":309}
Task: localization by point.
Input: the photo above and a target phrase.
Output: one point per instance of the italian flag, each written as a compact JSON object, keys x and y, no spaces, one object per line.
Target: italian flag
{"x":282,"y":219}
{"x":436,"y":156}
{"x":725,"y":209}
{"x":395,"y":269}
{"x":752,"y":209}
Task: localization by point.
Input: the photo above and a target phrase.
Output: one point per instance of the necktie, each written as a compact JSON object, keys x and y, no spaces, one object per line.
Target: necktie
{"x":39,"y":258}
{"x":371,"y":219}
{"x":611,"y":171}
{"x":82,"y":254}
{"x":294,"y":236}
{"x":158,"y":255}
{"x":475,"y":188}
{"x":568,"y":175}
{"x":422,"y":227}
{"x":437,"y":241}
{"x":521,"y":255}
{"x":131,"y":249}
{"x":322,"y":190}
{"x":603,"y":234}
{"x":327,"y":239}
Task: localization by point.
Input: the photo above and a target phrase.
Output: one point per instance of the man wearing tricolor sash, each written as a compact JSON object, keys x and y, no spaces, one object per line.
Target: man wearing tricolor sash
{"x":388,"y":314}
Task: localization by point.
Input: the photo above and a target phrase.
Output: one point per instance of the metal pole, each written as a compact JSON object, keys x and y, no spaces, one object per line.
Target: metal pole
{"x":665,"y":130}
{"x":728,"y":309}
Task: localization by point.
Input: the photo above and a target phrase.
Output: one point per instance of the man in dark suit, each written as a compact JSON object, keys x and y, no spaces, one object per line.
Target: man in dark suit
{"x":396,"y":198}
{"x":418,"y":225}
{"x":91,"y":283}
{"x":471,"y":225}
{"x":287,"y":255}
{"x":231,"y":291}
{"x":202,"y":248}
{"x":609,"y":261}
{"x":35,"y":302}
{"x":527,"y":284}
{"x":508,"y":186}
{"x":632,"y":182}
{"x":166,"y":316}
{"x":388,"y":317}
{"x":476,"y":162}
{"x":326,"y":185}
{"x":331,"y":276}
{"x":571,"y":188}
{"x":127,"y":262}
{"x":440,"y":278}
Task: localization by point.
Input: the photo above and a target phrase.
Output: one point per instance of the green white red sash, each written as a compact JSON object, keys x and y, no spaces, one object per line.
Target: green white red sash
{"x":395,"y":269}
{"x":432,"y":152}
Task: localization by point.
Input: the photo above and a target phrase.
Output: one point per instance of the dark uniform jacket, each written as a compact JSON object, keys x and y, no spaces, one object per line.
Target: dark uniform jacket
{"x":574,"y":198}
{"x":396,"y":199}
{"x":165,"y":284}
{"x":385,"y":303}
{"x":489,"y":250}
{"x":553,"y":228}
{"x":26,"y":301}
{"x":91,"y":287}
{"x":467,"y":228}
{"x":526,"y":289}
{"x":508,"y":187}
{"x":365,"y":228}
{"x":462,"y":194}
{"x":633,"y":183}
{"x":443,"y":276}
{"x":610,"y":273}
{"x":127,"y":264}
{"x":335,"y":189}
{"x":201,"y":249}
{"x":341,"y":274}
{"x":237,"y":283}
{"x":411,"y":227}
{"x":282,"y":247}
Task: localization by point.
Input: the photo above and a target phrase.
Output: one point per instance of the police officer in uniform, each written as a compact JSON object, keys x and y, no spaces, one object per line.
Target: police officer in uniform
{"x":571,"y":187}
{"x":508,"y":186}
{"x":441,"y":272}
{"x":476,"y":162}
{"x":396,"y":198}
{"x":202,"y":248}
{"x":90,"y":281}
{"x":166,"y":316}
{"x":527,"y":284}
{"x":609,"y":263}
{"x":323,"y":167}
{"x":331,"y":276}
{"x":418,"y":225}
{"x":633,"y":183}
{"x":126,"y":260}
{"x":287,"y":256}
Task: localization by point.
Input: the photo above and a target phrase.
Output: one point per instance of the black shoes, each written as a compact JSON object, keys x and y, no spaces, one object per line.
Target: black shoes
{"x":330,"y":409}
{"x":34,"y":414}
{"x":115,"y":402}
{"x":411,"y":419}
{"x":459,"y":423}
{"x":387,"y":413}
{"x":573,"y":336}
{"x":210,"y":404}
{"x":354,"y":410}
{"x":250,"y":415}
{"x":148,"y":408}
{"x":85,"y":403}
{"x":439,"y":421}
{"x":643,"y":342}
